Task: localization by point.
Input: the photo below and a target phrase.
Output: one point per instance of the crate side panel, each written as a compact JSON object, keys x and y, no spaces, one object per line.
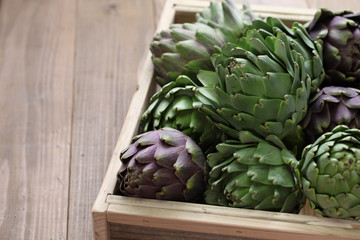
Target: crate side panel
{"x":127,"y":232}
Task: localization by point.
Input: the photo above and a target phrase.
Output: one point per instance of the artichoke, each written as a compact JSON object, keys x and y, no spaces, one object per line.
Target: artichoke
{"x":330,"y":173}
{"x":172,"y":106}
{"x":184,"y":49}
{"x":340,"y":33}
{"x":163,"y":164}
{"x":254,"y":173}
{"x":263,"y":82}
{"x":228,"y":18}
{"x":330,"y":107}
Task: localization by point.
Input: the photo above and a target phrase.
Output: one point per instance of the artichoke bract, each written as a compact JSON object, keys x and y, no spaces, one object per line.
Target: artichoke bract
{"x":340,"y":33}
{"x":184,"y":49}
{"x":330,"y":173}
{"x":330,"y":107}
{"x":254,"y":173}
{"x":172,"y":106}
{"x":163,"y":164}
{"x":264,"y":81}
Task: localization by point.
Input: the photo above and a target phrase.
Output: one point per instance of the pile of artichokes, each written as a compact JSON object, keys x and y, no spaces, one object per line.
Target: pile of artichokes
{"x":252,"y":114}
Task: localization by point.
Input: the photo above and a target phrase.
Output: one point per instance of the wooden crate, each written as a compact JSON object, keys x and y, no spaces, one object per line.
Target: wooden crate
{"x":119,"y":217}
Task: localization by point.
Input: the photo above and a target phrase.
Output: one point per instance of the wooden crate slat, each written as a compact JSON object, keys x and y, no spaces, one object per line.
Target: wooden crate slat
{"x":180,"y":219}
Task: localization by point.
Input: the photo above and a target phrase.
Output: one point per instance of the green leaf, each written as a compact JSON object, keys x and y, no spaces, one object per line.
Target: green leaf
{"x":267,"y":109}
{"x":326,"y":202}
{"x":286,"y":108}
{"x":277,"y":84}
{"x":208,"y":37}
{"x":191,"y":50}
{"x":236,"y":167}
{"x":252,"y":85}
{"x":266,"y":204}
{"x":282,"y":52}
{"x":170,"y":62}
{"x":281,"y":176}
{"x":207,"y":96}
{"x":312,"y":174}
{"x":230,"y":116}
{"x":182,"y":102}
{"x":208,"y":78}
{"x":224,"y":98}
{"x":268,"y":154}
{"x":259,"y":173}
{"x":246,"y":156}
{"x":244,"y":103}
{"x":347,"y":200}
{"x":265,"y":63}
{"x":260,"y":192}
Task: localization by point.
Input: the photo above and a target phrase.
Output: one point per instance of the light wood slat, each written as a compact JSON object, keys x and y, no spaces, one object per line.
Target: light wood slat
{"x":234,"y":212}
{"x":331,"y":4}
{"x":353,"y":5}
{"x":130,"y":232}
{"x":275,"y":3}
{"x":36,"y":79}
{"x":112,"y":39}
{"x":158,"y":8}
{"x":182,"y":220}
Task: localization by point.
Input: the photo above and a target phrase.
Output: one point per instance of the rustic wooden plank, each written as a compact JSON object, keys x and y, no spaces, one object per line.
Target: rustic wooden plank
{"x":238,"y":226}
{"x":238,"y":222}
{"x":331,"y":4}
{"x":275,"y":3}
{"x":36,"y":79}
{"x":335,"y":4}
{"x":112,"y":39}
{"x":158,"y":8}
{"x":233,"y":212}
{"x":129,"y":232}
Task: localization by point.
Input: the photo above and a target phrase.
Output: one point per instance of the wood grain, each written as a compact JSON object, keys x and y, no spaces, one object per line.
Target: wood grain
{"x":129,"y":232}
{"x":335,"y":5}
{"x":112,"y":39}
{"x":158,"y":8}
{"x":36,"y":73}
{"x":314,"y":4}
{"x":238,"y":222}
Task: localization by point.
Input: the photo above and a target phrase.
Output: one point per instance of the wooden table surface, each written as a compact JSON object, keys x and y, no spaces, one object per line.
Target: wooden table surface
{"x":68,"y":70}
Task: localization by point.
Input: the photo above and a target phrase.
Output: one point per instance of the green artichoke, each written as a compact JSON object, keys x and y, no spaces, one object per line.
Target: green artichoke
{"x":228,"y":18}
{"x":330,"y":107}
{"x":172,"y":106}
{"x":330,"y":173}
{"x":263,"y":82}
{"x":254,"y":173}
{"x":184,"y":49}
{"x":163,"y":164}
{"x":340,"y":33}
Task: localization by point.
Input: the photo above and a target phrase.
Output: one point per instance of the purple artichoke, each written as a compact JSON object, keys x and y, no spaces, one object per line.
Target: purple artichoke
{"x":330,"y":107}
{"x":163,"y":164}
{"x":340,"y":33}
